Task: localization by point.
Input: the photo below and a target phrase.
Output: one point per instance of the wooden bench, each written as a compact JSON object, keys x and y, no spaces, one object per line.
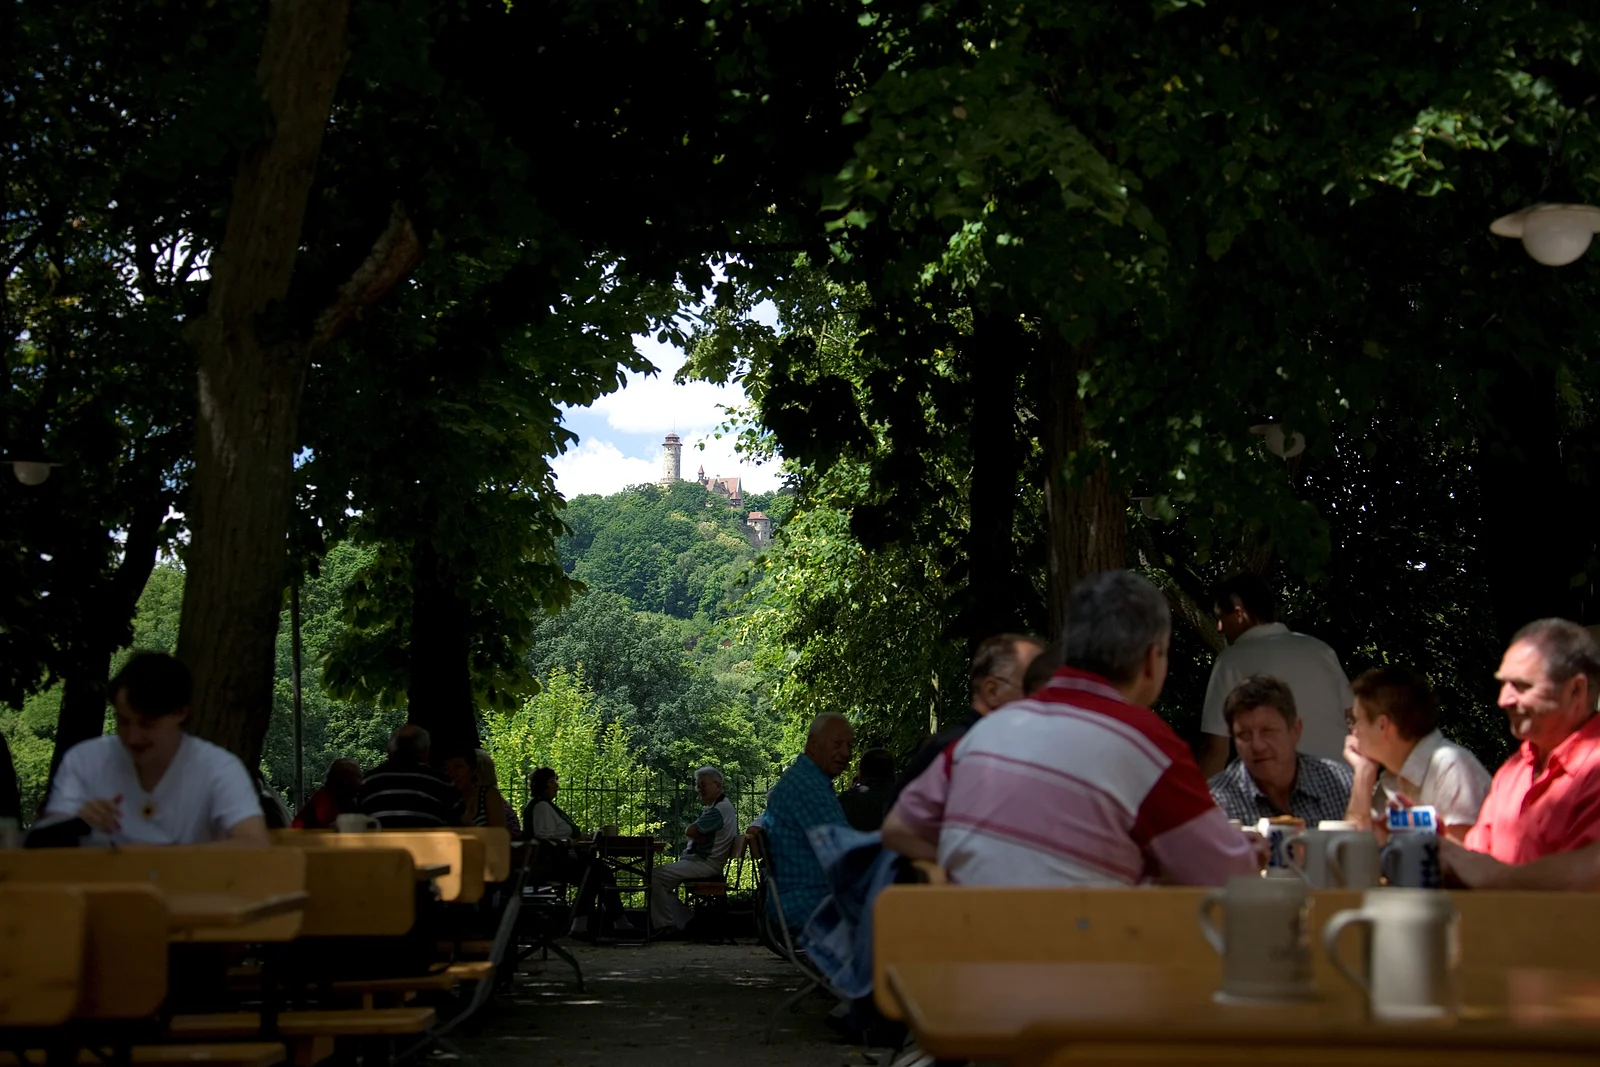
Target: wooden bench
{"x":990,"y":924}
{"x":358,"y":892}
{"x":310,"y":1035}
{"x":496,"y":841}
{"x":257,"y":1054}
{"x":234,"y":870}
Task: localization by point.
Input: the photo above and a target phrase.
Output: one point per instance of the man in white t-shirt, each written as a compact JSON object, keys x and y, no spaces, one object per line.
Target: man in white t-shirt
{"x":1399,"y":755}
{"x":1246,"y":613}
{"x":152,"y":783}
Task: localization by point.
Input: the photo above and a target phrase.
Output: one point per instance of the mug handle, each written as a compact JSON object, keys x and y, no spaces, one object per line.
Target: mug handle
{"x":1208,"y":905}
{"x":1288,"y":854}
{"x":1335,"y":864}
{"x":1330,"y":944}
{"x":373,"y":824}
{"x":1389,"y":862}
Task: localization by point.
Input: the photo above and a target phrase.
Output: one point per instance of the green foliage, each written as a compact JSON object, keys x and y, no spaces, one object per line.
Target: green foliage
{"x":562,"y":727}
{"x":30,"y":731}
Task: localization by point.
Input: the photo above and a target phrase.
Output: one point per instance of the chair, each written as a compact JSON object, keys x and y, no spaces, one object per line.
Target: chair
{"x":549,"y":912}
{"x":501,"y":953}
{"x":773,"y":931}
{"x":710,"y":896}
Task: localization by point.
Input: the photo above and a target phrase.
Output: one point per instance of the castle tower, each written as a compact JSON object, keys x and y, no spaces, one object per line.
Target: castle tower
{"x":760,"y":528}
{"x":671,"y":460}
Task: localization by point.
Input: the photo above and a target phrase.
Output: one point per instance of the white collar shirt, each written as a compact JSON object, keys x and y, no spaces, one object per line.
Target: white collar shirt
{"x":1441,"y":774}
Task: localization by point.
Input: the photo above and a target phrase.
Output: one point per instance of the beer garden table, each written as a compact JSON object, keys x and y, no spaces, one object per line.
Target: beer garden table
{"x":1059,"y":1014}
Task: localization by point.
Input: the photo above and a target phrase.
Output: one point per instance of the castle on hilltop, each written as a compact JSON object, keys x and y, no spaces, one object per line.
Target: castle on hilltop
{"x":758,"y":524}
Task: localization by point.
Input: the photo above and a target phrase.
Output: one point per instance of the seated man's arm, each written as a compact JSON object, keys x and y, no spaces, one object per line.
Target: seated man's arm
{"x":1575,"y":871}
{"x":251,"y":831}
{"x":1182,"y":830}
{"x":912,"y":826}
{"x":706,"y":826}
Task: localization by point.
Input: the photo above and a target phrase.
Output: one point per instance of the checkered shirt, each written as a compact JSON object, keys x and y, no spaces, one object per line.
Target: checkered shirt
{"x":1321,"y":791}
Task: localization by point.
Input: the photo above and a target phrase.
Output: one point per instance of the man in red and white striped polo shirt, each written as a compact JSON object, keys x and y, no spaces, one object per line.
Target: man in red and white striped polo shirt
{"x":1081,"y":784}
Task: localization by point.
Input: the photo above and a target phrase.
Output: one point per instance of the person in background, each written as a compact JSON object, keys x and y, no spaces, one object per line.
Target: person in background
{"x":151,"y":783}
{"x":1545,"y":799}
{"x":1080,"y":784}
{"x":481,"y":802}
{"x":405,"y":791}
{"x":870,"y":796}
{"x":339,"y":795}
{"x":994,"y":678}
{"x":1400,"y":757}
{"x":1247,"y":613}
{"x":557,"y":861}
{"x":1270,"y":778}
{"x":711,"y":837}
{"x":488,"y":774}
{"x":803,"y":798}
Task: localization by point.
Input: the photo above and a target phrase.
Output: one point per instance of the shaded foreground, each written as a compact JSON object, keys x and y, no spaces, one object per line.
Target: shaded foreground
{"x":672,"y":1004}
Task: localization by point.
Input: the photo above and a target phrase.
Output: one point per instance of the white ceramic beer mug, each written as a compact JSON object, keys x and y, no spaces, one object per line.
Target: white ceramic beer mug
{"x":1334,"y":858}
{"x":355,"y":823}
{"x":1411,"y":953}
{"x":1264,"y":940}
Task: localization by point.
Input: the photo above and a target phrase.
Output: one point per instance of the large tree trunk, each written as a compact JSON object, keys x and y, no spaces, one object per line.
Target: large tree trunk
{"x":250,"y":389}
{"x":993,"y":596}
{"x":1085,"y":515}
{"x":1530,"y":563}
{"x":82,"y":714}
{"x":439,"y":694}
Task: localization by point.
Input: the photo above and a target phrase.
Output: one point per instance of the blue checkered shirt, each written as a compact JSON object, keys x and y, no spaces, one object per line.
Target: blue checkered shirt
{"x":1321,"y":791}
{"x":802,"y":799}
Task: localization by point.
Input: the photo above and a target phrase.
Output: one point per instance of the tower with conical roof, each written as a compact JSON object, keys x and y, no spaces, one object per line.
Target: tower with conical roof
{"x":671,"y":460}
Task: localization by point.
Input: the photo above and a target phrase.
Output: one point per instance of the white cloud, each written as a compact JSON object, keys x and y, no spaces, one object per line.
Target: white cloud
{"x":600,"y":467}
{"x":657,"y":404}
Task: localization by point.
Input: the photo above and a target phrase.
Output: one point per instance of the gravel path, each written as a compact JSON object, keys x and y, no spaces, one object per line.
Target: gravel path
{"x":672,"y":1004}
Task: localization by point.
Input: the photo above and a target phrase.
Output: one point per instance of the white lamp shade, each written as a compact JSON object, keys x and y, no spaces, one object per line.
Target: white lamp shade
{"x":1553,"y":234}
{"x":29,"y":473}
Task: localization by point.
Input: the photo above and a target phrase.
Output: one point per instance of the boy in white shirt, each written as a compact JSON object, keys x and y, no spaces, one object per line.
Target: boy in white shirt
{"x":152,"y":783}
{"x":1400,"y":757}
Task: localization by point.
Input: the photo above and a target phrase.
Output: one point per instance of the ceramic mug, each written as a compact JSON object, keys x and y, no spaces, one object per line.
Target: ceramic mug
{"x":1412,"y":952}
{"x":1264,"y":941}
{"x":1411,"y":861}
{"x":1334,"y":859}
{"x":355,"y":824}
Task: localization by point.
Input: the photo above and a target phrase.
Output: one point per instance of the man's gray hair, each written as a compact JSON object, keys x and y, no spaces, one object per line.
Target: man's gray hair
{"x":1113,"y":619}
{"x":820,"y":723}
{"x":411,"y":742}
{"x":708,"y":772}
{"x":1568,"y":649}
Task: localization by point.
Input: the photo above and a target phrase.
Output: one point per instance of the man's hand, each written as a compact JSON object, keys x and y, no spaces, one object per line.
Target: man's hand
{"x":102,"y":814}
{"x":1474,"y":870}
{"x":1361,"y":764}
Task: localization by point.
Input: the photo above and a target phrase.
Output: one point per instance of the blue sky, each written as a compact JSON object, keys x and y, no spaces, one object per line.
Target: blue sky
{"x":619,"y":436}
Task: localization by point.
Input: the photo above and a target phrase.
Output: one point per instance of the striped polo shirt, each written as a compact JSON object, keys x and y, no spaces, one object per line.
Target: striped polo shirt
{"x":1073,"y":786}
{"x":410,"y":795}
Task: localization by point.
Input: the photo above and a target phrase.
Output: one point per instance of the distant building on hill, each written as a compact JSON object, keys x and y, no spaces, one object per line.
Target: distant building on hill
{"x":671,"y":460}
{"x":760,"y":528}
{"x":757,"y":525}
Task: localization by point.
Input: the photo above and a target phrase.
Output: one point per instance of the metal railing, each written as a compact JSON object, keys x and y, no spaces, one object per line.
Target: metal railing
{"x":658,"y":806}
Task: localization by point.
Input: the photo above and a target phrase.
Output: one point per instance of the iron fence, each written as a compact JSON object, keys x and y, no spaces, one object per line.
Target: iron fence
{"x":658,"y":806}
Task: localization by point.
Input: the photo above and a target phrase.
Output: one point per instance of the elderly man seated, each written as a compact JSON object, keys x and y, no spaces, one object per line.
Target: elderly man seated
{"x":1270,"y":778}
{"x":711,"y":838}
{"x":802,"y":799}
{"x":1081,"y":784}
{"x":1545,"y":799}
{"x":1400,"y":757}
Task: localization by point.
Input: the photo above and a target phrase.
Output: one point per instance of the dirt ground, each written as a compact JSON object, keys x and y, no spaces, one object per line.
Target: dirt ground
{"x":670,"y":1004}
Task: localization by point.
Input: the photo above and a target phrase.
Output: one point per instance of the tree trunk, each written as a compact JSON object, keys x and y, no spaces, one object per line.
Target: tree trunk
{"x":439,"y":694}
{"x":993,"y":604}
{"x":1530,"y":564}
{"x":250,"y":389}
{"x":1086,"y":517}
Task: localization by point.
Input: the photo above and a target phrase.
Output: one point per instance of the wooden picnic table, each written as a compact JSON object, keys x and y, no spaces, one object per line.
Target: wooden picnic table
{"x":188,"y":911}
{"x":1056,"y":1014}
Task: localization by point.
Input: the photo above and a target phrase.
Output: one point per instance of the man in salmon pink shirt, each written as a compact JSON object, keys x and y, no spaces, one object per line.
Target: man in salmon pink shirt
{"x":1545,"y":799}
